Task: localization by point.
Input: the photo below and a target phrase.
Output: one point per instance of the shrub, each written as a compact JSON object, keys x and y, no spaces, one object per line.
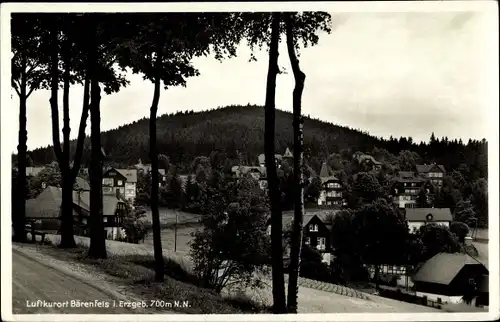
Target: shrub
{"x":460,"y":229}
{"x":233,"y":244}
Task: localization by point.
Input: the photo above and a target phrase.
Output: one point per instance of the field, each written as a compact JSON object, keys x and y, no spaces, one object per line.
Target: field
{"x":167,"y":217}
{"x":167,"y":239}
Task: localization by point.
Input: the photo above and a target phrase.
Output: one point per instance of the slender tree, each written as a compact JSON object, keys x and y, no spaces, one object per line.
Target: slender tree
{"x":296,"y":239}
{"x":303,"y":26}
{"x":27,"y":75}
{"x":279,"y":299}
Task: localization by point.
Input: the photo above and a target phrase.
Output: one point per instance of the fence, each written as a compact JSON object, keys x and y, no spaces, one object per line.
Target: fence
{"x":410,"y":298}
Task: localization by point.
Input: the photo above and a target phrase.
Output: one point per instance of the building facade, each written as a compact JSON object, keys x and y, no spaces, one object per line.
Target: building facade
{"x":433,"y":172}
{"x":406,"y":189}
{"x":331,"y":194}
{"x":418,"y":217}
{"x":122,"y":182}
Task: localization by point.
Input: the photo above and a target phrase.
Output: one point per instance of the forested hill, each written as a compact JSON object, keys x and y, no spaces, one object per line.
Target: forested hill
{"x":239,"y":132}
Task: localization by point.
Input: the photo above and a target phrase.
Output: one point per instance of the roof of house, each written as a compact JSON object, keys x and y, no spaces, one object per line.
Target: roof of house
{"x":365,"y":157}
{"x":323,"y":215}
{"x":420,"y":214}
{"x":46,"y":205}
{"x":424,"y":168}
{"x":81,"y":183}
{"x":324,"y":174}
{"x":443,"y":267}
{"x":287,"y":154}
{"x":129,"y":174}
{"x":262,"y":157}
{"x":408,"y":176}
{"x":33,"y":171}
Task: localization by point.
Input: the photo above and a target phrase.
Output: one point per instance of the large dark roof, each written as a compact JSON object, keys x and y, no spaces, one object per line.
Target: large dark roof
{"x":443,"y":267}
{"x":420,"y":214}
{"x":48,"y":203}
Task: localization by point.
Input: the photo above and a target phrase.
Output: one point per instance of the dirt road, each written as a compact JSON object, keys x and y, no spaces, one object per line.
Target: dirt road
{"x":36,"y":287}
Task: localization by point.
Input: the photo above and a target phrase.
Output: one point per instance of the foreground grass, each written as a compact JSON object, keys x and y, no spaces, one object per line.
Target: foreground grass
{"x":137,"y":274}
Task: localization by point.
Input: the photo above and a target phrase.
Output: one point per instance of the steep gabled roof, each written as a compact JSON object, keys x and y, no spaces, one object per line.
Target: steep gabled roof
{"x":46,"y":205}
{"x":324,"y":174}
{"x":420,"y":214}
{"x":81,"y":183}
{"x":287,"y":154}
{"x":129,"y":174}
{"x":424,"y":168}
{"x":443,"y":268}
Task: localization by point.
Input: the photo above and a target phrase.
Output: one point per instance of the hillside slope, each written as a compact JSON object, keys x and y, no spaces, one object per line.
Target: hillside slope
{"x":184,"y":136}
{"x":238,"y":131}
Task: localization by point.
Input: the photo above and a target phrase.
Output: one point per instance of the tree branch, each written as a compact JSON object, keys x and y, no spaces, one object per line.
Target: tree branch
{"x":16,"y":87}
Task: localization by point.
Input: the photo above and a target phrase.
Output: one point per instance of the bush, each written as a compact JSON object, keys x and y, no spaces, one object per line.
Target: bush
{"x":460,"y":229}
{"x":233,"y":244}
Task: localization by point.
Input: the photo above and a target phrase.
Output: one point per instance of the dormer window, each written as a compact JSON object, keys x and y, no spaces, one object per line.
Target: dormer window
{"x":313,"y":227}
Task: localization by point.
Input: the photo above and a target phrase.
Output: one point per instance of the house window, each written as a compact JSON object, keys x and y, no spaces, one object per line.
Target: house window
{"x":413,"y":184}
{"x":307,"y":240}
{"x":313,"y":227}
{"x":321,"y":243}
{"x":405,"y":184}
{"x":104,"y":219}
{"x":107,"y":182}
{"x":329,"y":203}
{"x":120,"y":183}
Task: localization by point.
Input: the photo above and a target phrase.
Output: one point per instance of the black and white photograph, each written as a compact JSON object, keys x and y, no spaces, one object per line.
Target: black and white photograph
{"x":242,"y":161}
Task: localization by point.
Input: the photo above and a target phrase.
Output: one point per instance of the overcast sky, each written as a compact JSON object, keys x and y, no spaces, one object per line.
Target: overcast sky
{"x":400,"y":74}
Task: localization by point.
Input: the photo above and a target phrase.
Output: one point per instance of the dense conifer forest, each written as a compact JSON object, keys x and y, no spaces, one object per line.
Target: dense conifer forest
{"x":238,"y":132}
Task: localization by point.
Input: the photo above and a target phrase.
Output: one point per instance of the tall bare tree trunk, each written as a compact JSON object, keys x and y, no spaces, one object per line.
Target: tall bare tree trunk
{"x":19,"y":209}
{"x":296,"y":239}
{"x":97,"y":247}
{"x":67,"y":239}
{"x":153,"y":154}
{"x":279,"y":299}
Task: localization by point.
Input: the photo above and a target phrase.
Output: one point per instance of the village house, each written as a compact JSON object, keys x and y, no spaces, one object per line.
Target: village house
{"x":406,"y":189}
{"x":44,"y":212}
{"x":113,"y":212}
{"x":331,"y":192}
{"x":368,"y":162}
{"x":434,"y":172}
{"x":258,"y":173}
{"x":146,"y":169}
{"x":287,"y":156}
{"x":316,"y":233}
{"x":417,"y":217}
{"x":446,"y":277}
{"x":122,"y":181}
